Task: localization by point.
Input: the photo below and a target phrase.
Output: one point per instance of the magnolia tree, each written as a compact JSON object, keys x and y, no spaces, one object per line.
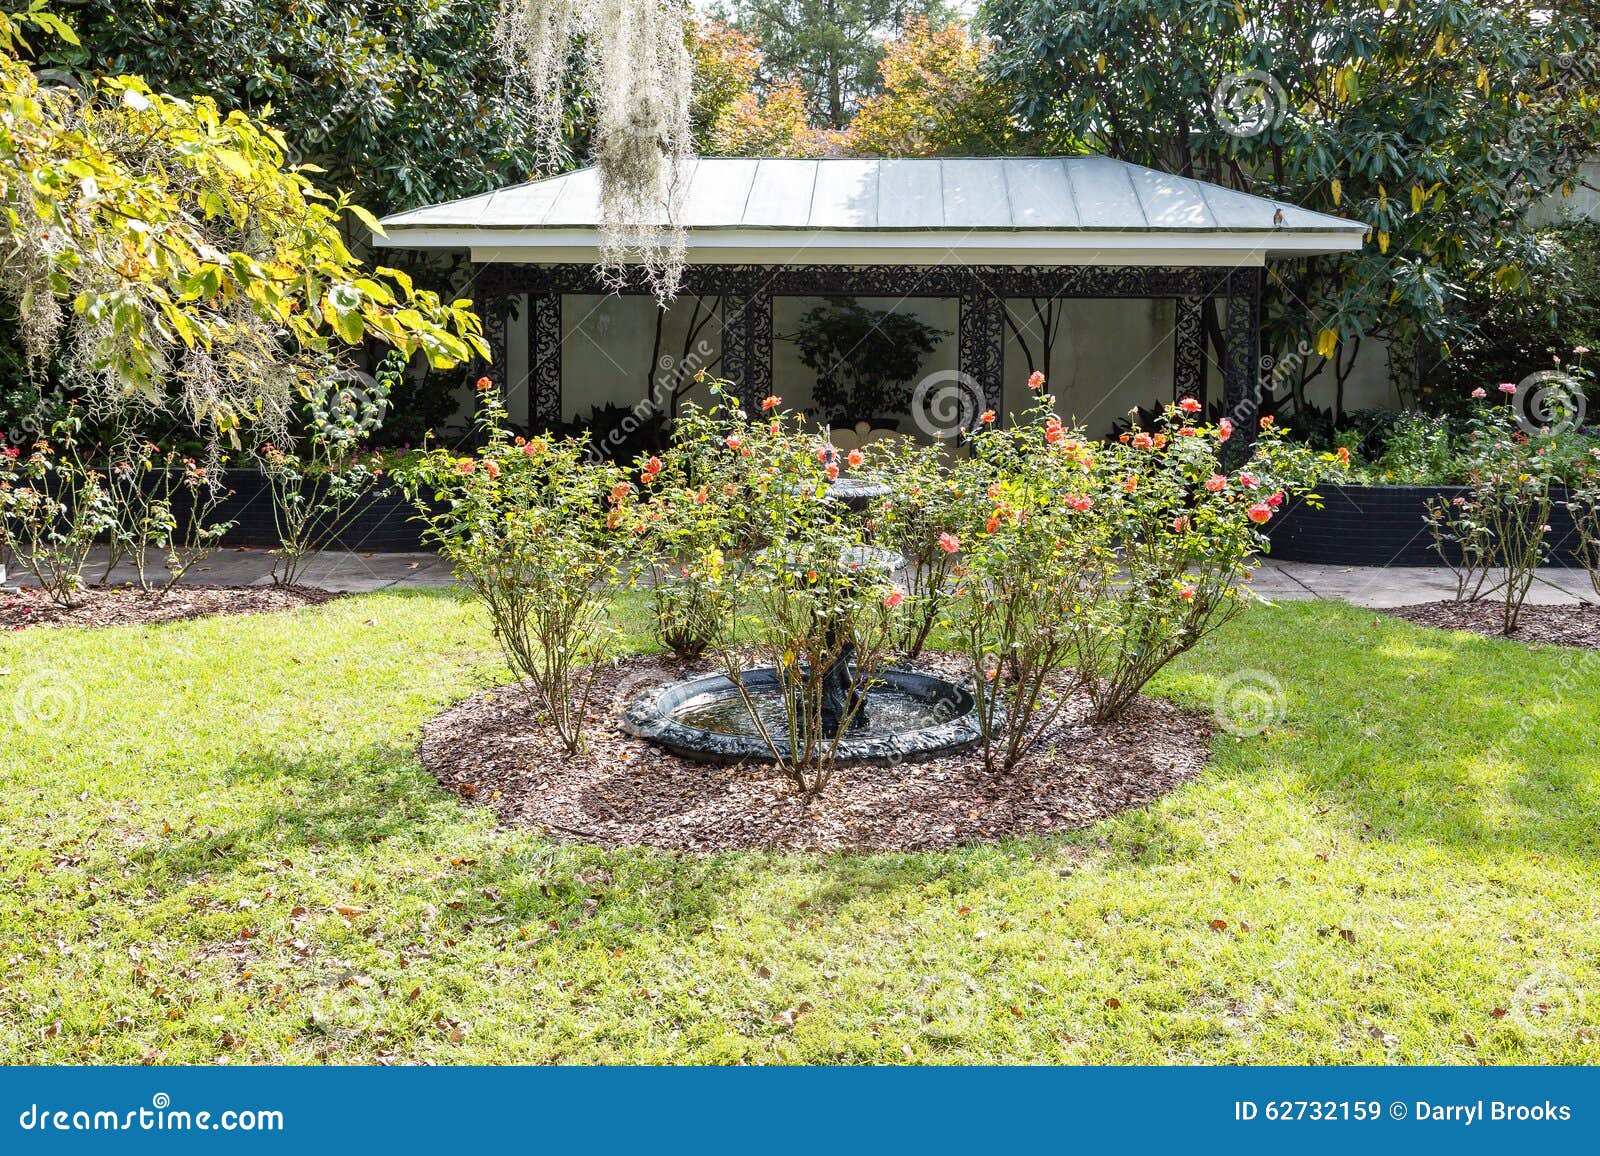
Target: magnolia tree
{"x":1437,"y":125}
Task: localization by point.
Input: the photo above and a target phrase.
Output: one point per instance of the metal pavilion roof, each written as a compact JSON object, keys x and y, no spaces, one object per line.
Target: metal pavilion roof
{"x":1026,"y":204}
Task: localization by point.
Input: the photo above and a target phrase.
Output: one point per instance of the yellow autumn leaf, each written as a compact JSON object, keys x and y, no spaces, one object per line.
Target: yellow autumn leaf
{"x":1336,"y":187}
{"x":1327,"y":342}
{"x":1383,"y":241}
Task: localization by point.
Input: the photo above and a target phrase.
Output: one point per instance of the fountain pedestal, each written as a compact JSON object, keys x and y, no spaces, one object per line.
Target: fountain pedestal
{"x":900,"y":715}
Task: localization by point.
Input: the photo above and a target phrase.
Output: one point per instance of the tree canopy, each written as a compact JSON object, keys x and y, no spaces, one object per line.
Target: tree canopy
{"x":937,"y":98}
{"x":400,"y":104}
{"x":162,"y":246}
{"x":832,"y":47}
{"x":1436,"y":123}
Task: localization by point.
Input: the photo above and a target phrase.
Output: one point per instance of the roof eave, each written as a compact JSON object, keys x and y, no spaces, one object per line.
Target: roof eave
{"x":796,"y":241}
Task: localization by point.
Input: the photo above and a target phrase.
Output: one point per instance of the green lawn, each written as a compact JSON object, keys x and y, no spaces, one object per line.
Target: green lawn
{"x":185,"y":809}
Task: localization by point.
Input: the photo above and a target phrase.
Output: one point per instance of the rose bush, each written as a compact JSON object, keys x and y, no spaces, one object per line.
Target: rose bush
{"x":1184,"y":529}
{"x":161,"y":501}
{"x":54,"y":505}
{"x":1106,"y":560}
{"x":541,"y":537}
{"x":1500,"y":526}
{"x":1062,"y":568}
{"x":790,"y":572}
{"x":926,"y":500}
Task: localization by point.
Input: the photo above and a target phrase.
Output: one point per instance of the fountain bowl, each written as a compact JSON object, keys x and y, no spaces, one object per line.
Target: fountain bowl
{"x":911,"y":715}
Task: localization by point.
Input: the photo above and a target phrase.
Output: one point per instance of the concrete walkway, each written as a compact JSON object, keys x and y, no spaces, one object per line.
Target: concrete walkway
{"x":1379,"y":586}
{"x":1280,"y":581}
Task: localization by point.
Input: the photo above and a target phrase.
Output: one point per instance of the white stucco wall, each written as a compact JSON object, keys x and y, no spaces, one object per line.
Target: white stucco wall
{"x":1582,"y":204}
{"x":1109,"y":355}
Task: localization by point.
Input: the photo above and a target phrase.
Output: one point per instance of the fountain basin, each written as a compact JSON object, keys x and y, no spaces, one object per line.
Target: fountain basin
{"x":911,"y":715}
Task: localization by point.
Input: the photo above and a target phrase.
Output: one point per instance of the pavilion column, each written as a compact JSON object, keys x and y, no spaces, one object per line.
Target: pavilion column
{"x":981,"y":344}
{"x":1241,"y":333}
{"x":747,"y":345}
{"x":544,"y":360}
{"x":1189,"y":349}
{"x":495,"y":310}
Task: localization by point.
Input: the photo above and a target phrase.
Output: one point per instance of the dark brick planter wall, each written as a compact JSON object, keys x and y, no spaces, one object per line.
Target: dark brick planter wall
{"x":1382,"y":526}
{"x":383,"y":526}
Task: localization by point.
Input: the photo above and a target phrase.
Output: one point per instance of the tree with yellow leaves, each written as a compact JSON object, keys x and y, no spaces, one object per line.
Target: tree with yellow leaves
{"x":165,"y":253}
{"x":937,"y":99}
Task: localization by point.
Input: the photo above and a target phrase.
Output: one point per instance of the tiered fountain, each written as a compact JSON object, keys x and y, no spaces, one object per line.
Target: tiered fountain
{"x":907,"y":714}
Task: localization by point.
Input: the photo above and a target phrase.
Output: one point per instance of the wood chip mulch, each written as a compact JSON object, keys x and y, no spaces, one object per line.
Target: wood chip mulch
{"x":1571,"y":625}
{"x":625,"y":791}
{"x":130,"y":606}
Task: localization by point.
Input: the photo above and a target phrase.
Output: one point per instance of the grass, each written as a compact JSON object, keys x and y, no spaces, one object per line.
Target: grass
{"x":216,"y":843}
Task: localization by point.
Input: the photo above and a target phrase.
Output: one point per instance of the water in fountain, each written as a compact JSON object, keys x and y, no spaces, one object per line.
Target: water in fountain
{"x":906,"y":713}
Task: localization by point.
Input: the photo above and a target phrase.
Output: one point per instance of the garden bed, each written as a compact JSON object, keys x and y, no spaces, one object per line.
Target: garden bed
{"x":1383,"y":526}
{"x":1552,"y":625}
{"x":129,"y":606}
{"x":626,"y":791}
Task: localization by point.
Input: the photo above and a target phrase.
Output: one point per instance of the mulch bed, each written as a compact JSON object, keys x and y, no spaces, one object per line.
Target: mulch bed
{"x":128,"y":605}
{"x":1572,"y":625}
{"x":625,"y":791}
